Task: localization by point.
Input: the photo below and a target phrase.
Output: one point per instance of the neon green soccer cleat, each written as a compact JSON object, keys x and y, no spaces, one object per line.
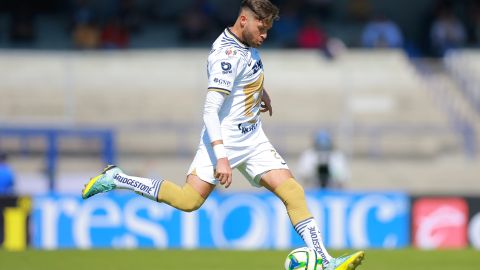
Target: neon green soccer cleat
{"x":348,"y":262}
{"x":101,"y":183}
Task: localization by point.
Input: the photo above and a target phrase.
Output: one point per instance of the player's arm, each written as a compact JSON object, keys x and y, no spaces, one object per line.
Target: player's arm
{"x":266,"y":105}
{"x":222,"y":72}
{"x":213,"y":103}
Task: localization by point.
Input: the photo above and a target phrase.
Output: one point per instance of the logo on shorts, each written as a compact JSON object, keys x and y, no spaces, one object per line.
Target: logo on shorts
{"x":277,"y":156}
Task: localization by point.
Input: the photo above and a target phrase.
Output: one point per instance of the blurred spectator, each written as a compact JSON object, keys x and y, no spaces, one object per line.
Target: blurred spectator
{"x":474,"y":22}
{"x":447,"y":31}
{"x":382,"y":32}
{"x":130,"y":16}
{"x":86,"y":36}
{"x":85,"y":32}
{"x":285,"y":30}
{"x":22,"y":19}
{"x":6,"y":176}
{"x":82,"y":13}
{"x":322,"y":8}
{"x":323,"y":164}
{"x":359,"y":10}
{"x":114,"y":35}
{"x":311,"y":35}
{"x":197,"y":22}
{"x":335,"y":48}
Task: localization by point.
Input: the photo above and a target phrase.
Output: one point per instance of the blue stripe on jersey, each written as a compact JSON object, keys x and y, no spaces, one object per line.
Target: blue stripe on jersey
{"x":227,"y":41}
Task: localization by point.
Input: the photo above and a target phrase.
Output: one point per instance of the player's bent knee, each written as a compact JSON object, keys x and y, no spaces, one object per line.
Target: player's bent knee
{"x":191,"y":200}
{"x":191,"y":206}
{"x":290,"y":192}
{"x":184,"y":198}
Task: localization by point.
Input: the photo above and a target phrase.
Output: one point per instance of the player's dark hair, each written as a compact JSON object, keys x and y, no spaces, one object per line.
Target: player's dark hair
{"x":263,"y":9}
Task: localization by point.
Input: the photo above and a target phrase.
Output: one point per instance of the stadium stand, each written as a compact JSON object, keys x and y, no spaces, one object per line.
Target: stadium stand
{"x":464,"y":66}
{"x":375,"y":102}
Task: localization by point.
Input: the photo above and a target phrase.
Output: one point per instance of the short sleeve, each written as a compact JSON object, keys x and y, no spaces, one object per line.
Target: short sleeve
{"x":222,"y":71}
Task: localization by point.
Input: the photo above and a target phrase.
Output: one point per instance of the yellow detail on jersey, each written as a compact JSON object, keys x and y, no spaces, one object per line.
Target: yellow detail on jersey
{"x":219,"y":90}
{"x":250,"y":100}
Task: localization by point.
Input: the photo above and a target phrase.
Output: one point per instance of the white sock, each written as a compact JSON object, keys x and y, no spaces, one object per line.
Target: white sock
{"x":310,"y":234}
{"x":146,"y":187}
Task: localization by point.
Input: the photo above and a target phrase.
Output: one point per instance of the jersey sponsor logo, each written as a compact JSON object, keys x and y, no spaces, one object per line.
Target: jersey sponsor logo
{"x":245,"y":130}
{"x":226,"y":67}
{"x":133,"y":183}
{"x":222,"y":82}
{"x":257,"y":66}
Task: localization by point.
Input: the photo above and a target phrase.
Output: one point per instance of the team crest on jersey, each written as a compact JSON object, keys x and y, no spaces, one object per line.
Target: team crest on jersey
{"x":231,"y":52}
{"x":226,"y":67}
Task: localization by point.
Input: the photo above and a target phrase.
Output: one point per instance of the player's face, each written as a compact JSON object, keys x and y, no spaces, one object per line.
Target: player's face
{"x":255,"y":31}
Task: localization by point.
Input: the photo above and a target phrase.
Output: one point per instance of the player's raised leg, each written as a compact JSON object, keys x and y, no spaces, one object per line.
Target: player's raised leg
{"x":282,"y":184}
{"x":188,"y":197}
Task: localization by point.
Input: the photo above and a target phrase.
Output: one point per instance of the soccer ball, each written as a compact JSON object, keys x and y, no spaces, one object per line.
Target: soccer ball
{"x":303,"y":258}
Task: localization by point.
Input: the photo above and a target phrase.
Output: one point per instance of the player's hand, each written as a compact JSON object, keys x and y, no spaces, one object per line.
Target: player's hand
{"x":224,"y":172}
{"x":266,"y":105}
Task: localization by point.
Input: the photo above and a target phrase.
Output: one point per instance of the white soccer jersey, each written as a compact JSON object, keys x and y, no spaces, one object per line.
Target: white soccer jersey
{"x":236,"y":70}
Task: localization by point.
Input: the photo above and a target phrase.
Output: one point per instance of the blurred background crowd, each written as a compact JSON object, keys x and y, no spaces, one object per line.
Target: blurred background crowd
{"x":421,"y":28}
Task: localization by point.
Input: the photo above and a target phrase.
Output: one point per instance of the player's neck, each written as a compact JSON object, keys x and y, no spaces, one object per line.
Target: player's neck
{"x":236,"y":29}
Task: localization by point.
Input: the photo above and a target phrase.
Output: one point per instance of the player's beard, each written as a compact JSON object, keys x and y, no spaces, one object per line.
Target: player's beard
{"x":250,"y":39}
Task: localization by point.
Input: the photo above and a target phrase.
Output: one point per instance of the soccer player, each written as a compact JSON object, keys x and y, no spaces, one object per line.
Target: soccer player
{"x":233,"y":137}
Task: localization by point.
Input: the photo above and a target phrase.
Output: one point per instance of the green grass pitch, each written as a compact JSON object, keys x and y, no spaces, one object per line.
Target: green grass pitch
{"x":224,"y":260}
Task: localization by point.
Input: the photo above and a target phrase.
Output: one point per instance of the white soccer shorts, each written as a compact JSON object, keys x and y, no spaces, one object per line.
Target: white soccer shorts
{"x":252,"y":162}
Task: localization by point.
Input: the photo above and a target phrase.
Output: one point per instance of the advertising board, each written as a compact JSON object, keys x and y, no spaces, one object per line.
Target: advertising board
{"x":226,"y":220}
